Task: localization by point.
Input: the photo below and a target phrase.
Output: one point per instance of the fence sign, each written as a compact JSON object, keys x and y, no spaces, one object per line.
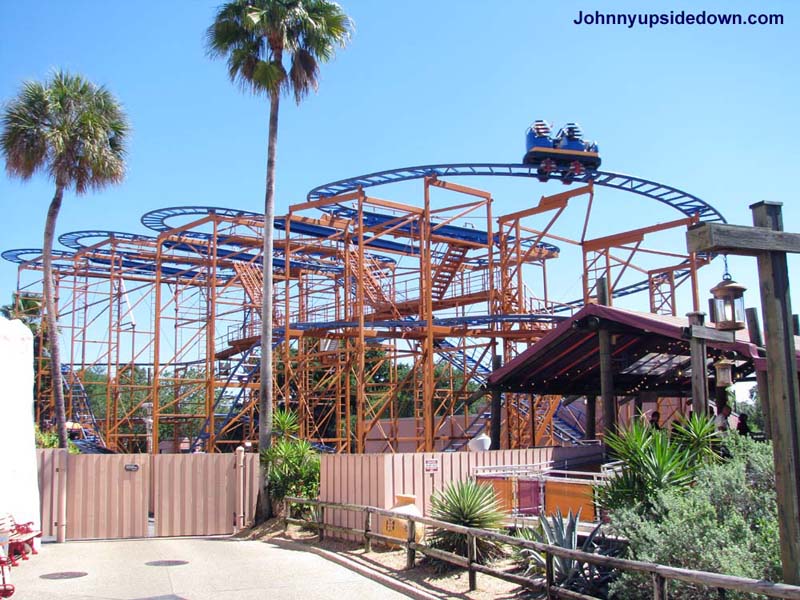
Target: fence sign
{"x":431,"y":465}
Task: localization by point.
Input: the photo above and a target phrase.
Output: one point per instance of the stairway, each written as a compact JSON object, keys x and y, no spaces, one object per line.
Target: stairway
{"x":252,"y":279}
{"x":81,"y":411}
{"x":445,"y":271}
{"x":374,"y":294}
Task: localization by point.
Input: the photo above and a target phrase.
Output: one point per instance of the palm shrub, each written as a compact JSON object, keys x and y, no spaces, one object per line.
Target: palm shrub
{"x":698,"y":434}
{"x":651,"y":463}
{"x":293,"y":469}
{"x":575,"y":575}
{"x":285,"y":422}
{"x":468,"y":504}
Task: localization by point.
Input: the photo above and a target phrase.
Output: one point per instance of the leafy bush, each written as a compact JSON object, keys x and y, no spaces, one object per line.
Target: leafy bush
{"x":49,"y":439}
{"x":726,"y":522}
{"x":469,"y":504}
{"x":570,"y":574}
{"x":285,"y":422}
{"x":293,"y":469}
{"x":651,"y":463}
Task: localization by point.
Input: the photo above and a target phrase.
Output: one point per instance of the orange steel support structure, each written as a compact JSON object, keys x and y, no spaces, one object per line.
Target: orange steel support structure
{"x":387,"y":317}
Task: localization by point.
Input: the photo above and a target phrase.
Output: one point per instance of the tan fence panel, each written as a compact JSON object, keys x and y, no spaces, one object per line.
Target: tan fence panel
{"x":195,"y":494}
{"x":108,"y":496}
{"x":52,"y":491}
{"x":376,"y":479}
{"x":250,"y":491}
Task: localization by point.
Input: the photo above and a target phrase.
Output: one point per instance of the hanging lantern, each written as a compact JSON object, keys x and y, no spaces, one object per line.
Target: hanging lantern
{"x":724,"y":370}
{"x":728,"y":302}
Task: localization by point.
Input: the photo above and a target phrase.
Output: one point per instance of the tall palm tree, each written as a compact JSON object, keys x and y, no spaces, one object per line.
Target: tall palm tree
{"x":75,"y":133}
{"x":260,"y":39}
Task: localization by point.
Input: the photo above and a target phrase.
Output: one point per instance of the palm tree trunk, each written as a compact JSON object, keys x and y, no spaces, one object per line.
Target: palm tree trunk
{"x":50,"y":316}
{"x":265,"y":387}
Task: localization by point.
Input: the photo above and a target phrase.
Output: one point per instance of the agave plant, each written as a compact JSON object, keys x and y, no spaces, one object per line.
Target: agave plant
{"x":469,"y":504}
{"x":572,"y":574}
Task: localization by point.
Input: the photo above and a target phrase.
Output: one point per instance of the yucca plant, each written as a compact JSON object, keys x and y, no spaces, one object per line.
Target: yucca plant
{"x":575,"y":575}
{"x":468,"y":504}
{"x":651,"y":463}
{"x":293,"y":467}
{"x":698,"y":434}
{"x":285,"y":422}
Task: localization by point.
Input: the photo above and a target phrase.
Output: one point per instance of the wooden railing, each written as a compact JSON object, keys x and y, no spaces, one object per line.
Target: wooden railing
{"x":659,"y":574}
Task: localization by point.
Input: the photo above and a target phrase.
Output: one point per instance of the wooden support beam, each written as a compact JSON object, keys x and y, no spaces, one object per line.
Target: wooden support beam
{"x":740,"y":239}
{"x":770,"y":243}
{"x":756,"y":337}
{"x":784,"y":394}
{"x":606,"y":367}
{"x":697,"y":350}
{"x":497,"y":408}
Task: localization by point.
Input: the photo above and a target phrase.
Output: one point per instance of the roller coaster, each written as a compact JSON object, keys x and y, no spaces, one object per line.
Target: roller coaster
{"x":388,"y":315}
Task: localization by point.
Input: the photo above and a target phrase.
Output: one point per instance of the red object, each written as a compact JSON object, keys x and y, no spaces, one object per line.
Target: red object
{"x":20,"y":538}
{"x":6,"y":589}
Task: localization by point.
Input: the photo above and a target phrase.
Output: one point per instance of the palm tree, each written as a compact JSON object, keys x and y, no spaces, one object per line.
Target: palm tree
{"x":255,"y":36}
{"x":75,"y":132}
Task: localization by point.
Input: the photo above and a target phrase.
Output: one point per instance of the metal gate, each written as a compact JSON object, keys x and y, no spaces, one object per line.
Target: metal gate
{"x":112,"y":496}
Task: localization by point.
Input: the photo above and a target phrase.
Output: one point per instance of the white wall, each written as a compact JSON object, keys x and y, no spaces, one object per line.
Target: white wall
{"x":19,"y":482}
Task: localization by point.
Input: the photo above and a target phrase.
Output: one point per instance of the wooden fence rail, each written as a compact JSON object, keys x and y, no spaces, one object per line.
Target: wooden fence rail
{"x":660,"y":574}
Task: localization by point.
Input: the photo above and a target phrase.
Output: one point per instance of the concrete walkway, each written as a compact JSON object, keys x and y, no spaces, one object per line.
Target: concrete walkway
{"x":215,"y":569}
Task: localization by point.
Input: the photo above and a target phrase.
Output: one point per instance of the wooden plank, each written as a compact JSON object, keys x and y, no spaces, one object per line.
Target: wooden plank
{"x":710,"y":334}
{"x":740,"y":239}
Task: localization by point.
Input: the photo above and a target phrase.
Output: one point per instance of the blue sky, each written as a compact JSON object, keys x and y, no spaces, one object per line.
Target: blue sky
{"x":711,"y":110}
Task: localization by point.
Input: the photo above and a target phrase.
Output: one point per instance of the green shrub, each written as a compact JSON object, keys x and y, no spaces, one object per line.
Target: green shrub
{"x":651,"y":463}
{"x":726,"y":523}
{"x":293,"y":469}
{"x":469,"y":504}
{"x":49,"y":439}
{"x":570,"y":574}
{"x":285,"y":422}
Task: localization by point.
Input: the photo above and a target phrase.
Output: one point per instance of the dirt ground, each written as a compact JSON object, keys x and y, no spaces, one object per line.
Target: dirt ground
{"x":392,"y":562}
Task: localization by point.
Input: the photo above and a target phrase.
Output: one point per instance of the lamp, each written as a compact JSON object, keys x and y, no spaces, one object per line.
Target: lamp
{"x":724,"y":369}
{"x":728,"y":303}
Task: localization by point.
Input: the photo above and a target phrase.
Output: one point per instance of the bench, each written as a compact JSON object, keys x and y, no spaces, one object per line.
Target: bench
{"x":20,"y":537}
{"x":6,"y":589}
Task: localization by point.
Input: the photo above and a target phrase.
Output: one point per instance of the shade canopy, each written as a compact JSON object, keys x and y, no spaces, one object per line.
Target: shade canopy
{"x":649,"y":353}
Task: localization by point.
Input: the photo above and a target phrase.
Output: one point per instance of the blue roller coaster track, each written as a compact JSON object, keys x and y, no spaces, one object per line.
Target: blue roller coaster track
{"x":684,"y":202}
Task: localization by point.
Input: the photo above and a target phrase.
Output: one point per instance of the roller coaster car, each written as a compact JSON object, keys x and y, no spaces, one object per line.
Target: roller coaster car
{"x":566,"y":153}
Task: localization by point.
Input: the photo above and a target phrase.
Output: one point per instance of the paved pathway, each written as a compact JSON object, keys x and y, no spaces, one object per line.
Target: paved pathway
{"x":215,"y":569}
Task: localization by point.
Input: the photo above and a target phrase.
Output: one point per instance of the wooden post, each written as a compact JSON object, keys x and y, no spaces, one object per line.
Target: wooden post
{"x":550,"y":579}
{"x":472,"y":556}
{"x":606,"y":368}
{"x":659,"y":587}
{"x":697,"y":349}
{"x":784,"y":399}
{"x":285,"y":515}
{"x":367,"y":530}
{"x":411,"y":538}
{"x":497,"y":408}
{"x":591,"y":417}
{"x":770,"y":244}
{"x":320,"y":522}
{"x":756,"y":337}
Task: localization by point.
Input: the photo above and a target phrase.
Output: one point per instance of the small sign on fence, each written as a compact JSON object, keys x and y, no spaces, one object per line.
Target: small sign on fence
{"x":431,"y":465}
